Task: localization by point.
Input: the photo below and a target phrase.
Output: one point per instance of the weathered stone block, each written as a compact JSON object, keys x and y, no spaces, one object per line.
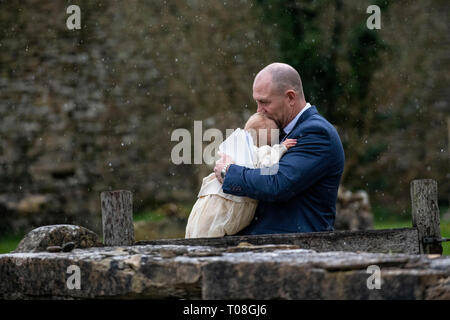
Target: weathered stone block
{"x":201,"y":272}
{"x":57,"y":235}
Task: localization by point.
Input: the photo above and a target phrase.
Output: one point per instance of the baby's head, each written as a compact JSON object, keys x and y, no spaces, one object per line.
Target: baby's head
{"x":261,"y":126}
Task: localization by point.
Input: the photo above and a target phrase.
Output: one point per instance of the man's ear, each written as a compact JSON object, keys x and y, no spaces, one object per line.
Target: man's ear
{"x":291,"y":96}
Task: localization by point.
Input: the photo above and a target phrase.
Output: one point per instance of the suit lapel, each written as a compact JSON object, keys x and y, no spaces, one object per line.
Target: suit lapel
{"x":308,"y":113}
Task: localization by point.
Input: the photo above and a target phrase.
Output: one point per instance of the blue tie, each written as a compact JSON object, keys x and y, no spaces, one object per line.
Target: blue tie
{"x":282,"y":135}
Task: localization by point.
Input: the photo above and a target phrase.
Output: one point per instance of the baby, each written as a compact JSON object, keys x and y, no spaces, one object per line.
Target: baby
{"x":216,"y":213}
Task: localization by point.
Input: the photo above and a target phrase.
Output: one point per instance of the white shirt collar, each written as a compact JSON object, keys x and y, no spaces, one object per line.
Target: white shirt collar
{"x":291,"y":124}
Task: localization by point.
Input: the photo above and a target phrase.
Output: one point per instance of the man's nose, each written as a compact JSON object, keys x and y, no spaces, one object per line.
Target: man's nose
{"x":260,"y":109}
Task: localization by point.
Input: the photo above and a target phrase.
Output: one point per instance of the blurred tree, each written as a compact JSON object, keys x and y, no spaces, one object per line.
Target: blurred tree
{"x":358,"y":80}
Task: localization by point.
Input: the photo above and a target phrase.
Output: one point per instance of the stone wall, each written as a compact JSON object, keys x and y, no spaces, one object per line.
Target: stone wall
{"x":240,"y":272}
{"x":86,"y":111}
{"x":91,"y":110}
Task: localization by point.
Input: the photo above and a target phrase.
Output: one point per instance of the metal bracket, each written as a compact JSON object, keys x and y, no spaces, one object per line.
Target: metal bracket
{"x":434,"y":240}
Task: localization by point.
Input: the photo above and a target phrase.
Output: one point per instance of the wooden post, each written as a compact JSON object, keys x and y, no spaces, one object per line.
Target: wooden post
{"x":448,"y":147}
{"x":425,"y":215}
{"x":117,"y":218}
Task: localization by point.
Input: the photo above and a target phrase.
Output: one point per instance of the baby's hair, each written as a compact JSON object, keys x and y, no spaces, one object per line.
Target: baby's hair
{"x":259,"y":121}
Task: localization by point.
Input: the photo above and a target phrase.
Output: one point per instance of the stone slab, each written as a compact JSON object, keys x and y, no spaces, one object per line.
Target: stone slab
{"x":202,"y":272}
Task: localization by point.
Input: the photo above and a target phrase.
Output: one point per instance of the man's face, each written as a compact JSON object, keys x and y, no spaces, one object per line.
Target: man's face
{"x":275,"y":105}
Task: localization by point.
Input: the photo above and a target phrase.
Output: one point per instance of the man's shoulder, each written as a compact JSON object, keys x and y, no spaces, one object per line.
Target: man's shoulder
{"x":318,"y":128}
{"x":316,"y":124}
{"x":313,"y":124}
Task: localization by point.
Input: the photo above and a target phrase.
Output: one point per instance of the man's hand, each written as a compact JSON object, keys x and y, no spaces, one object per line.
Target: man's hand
{"x":288,"y":143}
{"x":224,"y":159}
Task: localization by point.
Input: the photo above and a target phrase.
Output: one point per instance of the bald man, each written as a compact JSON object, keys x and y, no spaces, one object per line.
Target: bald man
{"x":301,"y":195}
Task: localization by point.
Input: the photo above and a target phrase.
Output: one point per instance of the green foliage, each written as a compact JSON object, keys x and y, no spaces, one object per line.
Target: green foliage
{"x":372,"y":84}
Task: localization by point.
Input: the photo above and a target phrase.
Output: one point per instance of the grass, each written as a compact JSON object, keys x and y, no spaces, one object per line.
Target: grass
{"x":9,"y":242}
{"x":150,"y":216}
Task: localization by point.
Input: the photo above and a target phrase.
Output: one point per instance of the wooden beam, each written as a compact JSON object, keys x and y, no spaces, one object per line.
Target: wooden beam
{"x":403,"y":240}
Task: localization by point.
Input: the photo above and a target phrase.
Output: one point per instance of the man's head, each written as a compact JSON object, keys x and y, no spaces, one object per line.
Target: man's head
{"x":278,"y":92}
{"x":260,"y":127}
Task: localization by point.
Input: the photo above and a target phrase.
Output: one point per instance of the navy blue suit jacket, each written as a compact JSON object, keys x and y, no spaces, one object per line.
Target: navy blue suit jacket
{"x":301,"y":196}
